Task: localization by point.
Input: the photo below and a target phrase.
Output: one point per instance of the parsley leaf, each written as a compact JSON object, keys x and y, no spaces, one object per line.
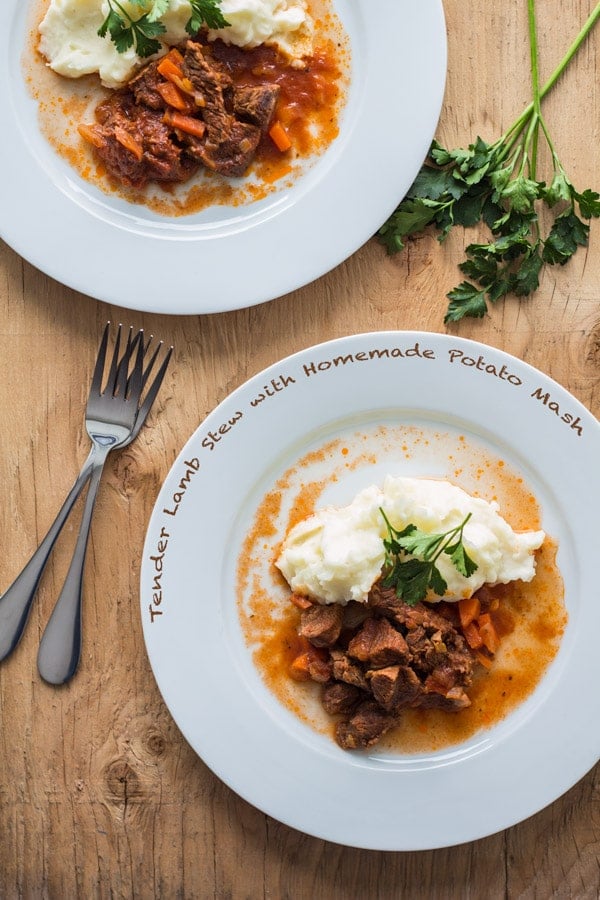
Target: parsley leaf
{"x":567,"y":233}
{"x":411,"y":555}
{"x":144,"y":32}
{"x":412,"y":217}
{"x":465,"y":300}
{"x":589,"y":203}
{"x":205,"y":12}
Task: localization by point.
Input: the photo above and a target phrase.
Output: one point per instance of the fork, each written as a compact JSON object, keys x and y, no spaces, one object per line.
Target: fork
{"x":15,"y":603}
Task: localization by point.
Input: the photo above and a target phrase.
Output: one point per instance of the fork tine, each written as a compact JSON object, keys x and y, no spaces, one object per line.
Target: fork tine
{"x":123,"y":376}
{"x":152,"y":361}
{"x":134,"y":384}
{"x":153,"y":389}
{"x":96,"y":385}
{"x":123,"y":367}
{"x":115,"y":365}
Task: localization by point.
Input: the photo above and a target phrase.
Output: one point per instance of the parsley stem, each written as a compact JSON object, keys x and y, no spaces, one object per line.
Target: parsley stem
{"x":449,"y":536}
{"x":535,"y":83}
{"x":516,"y":128}
{"x":113,"y":3}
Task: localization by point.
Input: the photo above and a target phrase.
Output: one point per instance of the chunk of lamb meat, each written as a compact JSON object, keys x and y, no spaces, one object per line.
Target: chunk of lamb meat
{"x":444,"y":687}
{"x":256,"y":104}
{"x":344,"y":669}
{"x":395,"y":687}
{"x":121,"y":122}
{"x":321,"y":624}
{"x":339,"y":698}
{"x":144,"y":86}
{"x":385,"y":602}
{"x":365,"y":727}
{"x":432,"y":653}
{"x":378,"y":643}
{"x":229,"y":145}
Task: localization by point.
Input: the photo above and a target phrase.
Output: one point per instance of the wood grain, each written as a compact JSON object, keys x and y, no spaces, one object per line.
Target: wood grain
{"x":100,"y":796}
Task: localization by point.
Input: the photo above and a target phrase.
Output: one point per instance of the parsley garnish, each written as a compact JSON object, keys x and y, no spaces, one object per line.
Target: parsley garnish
{"x":414,"y":575}
{"x":498,"y":184}
{"x":205,"y":12}
{"x":142,"y":33}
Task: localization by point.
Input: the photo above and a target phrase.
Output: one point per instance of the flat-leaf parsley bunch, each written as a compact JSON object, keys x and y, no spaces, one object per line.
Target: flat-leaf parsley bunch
{"x":498,"y":184}
{"x":142,"y":33}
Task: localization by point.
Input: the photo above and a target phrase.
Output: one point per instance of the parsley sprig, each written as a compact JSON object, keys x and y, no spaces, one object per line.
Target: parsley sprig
{"x":142,"y":33}
{"x":498,"y":184}
{"x":414,"y":575}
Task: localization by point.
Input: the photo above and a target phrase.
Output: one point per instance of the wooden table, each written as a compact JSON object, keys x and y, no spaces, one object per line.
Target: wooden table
{"x":100,"y":796}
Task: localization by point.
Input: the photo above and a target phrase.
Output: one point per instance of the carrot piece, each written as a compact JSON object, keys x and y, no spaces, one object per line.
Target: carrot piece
{"x":488,"y":633}
{"x":485,"y":661}
{"x":279,"y":136}
{"x":300,"y":667}
{"x":468,"y":609}
{"x":173,"y":96}
{"x":188,"y":124}
{"x":129,"y":142}
{"x":174,"y":74}
{"x":472,"y":636}
{"x":300,"y":601}
{"x":504,"y":621}
{"x":175,"y":55}
{"x":170,"y":66}
{"x":89,"y":134}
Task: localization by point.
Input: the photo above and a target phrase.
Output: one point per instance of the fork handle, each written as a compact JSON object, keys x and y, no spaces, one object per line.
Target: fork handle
{"x":16,"y":601}
{"x":60,"y":647}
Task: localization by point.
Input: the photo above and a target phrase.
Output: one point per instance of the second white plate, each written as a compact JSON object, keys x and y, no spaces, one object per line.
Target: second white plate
{"x":189,"y":610}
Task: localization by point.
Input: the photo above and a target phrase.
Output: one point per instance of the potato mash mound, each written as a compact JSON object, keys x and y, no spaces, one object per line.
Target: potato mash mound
{"x":336,"y":555}
{"x":70,"y":42}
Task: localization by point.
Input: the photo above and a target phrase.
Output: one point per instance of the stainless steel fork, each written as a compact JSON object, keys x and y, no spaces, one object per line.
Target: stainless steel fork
{"x":114,"y":407}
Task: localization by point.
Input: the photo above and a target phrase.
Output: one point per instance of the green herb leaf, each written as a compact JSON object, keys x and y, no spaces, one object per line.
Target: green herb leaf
{"x":560,"y":189}
{"x":145,"y":34}
{"x":410,"y":217}
{"x":414,"y":575}
{"x":461,"y":559}
{"x":465,"y":300}
{"x":527,"y":276}
{"x":566,"y":235}
{"x":157,"y":11}
{"x":589,"y":203}
{"x":205,"y":12}
{"x":521,"y":193}
{"x":142,"y":33}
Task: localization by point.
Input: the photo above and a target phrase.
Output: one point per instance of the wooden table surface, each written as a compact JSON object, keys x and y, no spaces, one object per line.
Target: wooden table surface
{"x":100,"y":796}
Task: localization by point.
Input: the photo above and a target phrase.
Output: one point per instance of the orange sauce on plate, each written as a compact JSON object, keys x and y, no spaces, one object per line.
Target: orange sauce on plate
{"x":310,"y":104}
{"x":532,"y":615}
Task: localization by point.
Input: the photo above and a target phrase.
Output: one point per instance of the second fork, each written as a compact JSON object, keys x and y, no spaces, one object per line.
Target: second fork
{"x":110,"y":417}
{"x":16,"y":601}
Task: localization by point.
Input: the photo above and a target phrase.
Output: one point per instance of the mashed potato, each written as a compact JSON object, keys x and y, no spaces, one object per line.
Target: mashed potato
{"x":69,"y":33}
{"x":336,"y":555}
{"x":285,"y":23}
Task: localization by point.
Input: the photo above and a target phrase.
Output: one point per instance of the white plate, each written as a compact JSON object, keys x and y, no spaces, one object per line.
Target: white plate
{"x":188,"y":589}
{"x":223,"y":259}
